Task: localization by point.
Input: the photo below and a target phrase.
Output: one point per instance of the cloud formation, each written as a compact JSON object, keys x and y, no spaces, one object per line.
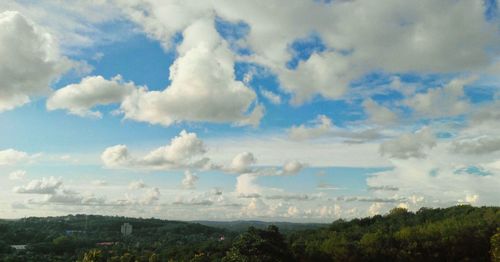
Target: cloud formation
{"x":426,"y":41}
{"x":212,"y":96}
{"x":11,"y":156}
{"x":79,"y":99}
{"x":184,"y":151}
{"x":411,"y":145}
{"x":30,"y":60}
{"x":40,"y":186}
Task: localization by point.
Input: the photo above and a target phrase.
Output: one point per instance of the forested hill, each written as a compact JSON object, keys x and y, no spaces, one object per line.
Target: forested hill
{"x":243,"y":225}
{"x":460,"y":233}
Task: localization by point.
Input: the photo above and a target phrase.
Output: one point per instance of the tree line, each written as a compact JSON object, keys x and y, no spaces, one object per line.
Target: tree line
{"x":459,"y":233}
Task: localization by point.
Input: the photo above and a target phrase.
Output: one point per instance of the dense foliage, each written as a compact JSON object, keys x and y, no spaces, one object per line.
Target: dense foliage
{"x":69,"y":238}
{"x":460,"y":233}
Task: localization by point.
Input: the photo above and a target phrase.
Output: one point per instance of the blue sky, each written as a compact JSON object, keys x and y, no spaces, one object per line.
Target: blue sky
{"x":311,"y":112}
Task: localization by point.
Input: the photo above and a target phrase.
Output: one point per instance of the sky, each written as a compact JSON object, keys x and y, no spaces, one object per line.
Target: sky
{"x":301,"y":111}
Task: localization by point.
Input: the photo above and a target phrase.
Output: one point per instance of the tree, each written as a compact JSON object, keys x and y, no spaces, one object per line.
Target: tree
{"x":93,"y":255}
{"x":495,"y":247}
{"x":259,"y":245}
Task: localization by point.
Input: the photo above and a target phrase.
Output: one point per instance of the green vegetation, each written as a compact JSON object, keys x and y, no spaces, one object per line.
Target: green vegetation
{"x":460,"y":233}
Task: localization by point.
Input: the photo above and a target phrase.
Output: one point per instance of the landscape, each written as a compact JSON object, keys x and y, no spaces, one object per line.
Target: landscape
{"x":461,"y":233}
{"x":237,"y":130}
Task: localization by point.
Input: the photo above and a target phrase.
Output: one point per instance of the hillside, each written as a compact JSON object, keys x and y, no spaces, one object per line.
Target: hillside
{"x":460,"y":233}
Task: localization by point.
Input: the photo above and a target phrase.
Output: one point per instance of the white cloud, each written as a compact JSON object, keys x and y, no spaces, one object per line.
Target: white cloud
{"x":151,"y":196}
{"x":324,"y":153}
{"x":322,"y":126}
{"x":426,"y":40}
{"x":184,"y":150}
{"x":68,"y":197}
{"x":444,"y":101}
{"x":190,"y":179}
{"x":241,"y":162}
{"x":203,"y":86}
{"x":379,"y":114}
{"x":76,"y":25}
{"x":40,"y":186}
{"x":439,"y":179}
{"x":11,"y":156}
{"x":272,"y":97}
{"x":476,"y":146}
{"x":80,"y":98}
{"x":376,"y":209}
{"x":409,"y":145}
{"x":29,"y":60}
{"x":137,"y":184}
{"x":17,"y":175}
{"x":246,"y":186}
{"x":292,"y":167}
{"x":99,"y":183}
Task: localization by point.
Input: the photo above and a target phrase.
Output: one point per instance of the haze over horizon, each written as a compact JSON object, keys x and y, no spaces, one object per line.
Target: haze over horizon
{"x":300,"y":111}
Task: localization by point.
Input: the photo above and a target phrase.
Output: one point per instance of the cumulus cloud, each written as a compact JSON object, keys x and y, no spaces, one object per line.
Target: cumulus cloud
{"x":444,"y":101}
{"x":292,"y":167}
{"x":409,"y":145}
{"x":246,"y":186}
{"x":184,"y":151}
{"x":322,"y":126}
{"x":75,"y":26}
{"x":241,"y":162}
{"x":151,"y":196}
{"x":189,"y":181}
{"x":17,"y":175}
{"x":203,"y":86}
{"x":79,"y":99}
{"x":69,"y":197}
{"x":40,"y":186}
{"x":30,"y":60}
{"x":11,"y":156}
{"x":139,"y":184}
{"x":476,"y":146}
{"x":116,"y":156}
{"x":440,"y":179}
{"x":379,"y":114}
{"x":426,"y":41}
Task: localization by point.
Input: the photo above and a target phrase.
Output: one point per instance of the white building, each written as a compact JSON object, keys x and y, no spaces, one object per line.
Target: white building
{"x":126,"y":229}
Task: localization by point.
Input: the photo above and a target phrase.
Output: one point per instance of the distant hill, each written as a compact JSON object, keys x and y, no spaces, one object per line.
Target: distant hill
{"x":243,"y":225}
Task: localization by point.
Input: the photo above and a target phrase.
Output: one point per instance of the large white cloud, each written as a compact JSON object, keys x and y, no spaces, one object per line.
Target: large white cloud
{"x":80,"y":98}
{"x":29,"y":60}
{"x":11,"y":156}
{"x":476,"y":146}
{"x":184,"y":151}
{"x":74,"y":26}
{"x":379,"y":114}
{"x":241,"y":162}
{"x":203,"y":86}
{"x":190,"y":179}
{"x":411,"y":145}
{"x":444,"y":101}
{"x":417,"y":37}
{"x":40,"y":186}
